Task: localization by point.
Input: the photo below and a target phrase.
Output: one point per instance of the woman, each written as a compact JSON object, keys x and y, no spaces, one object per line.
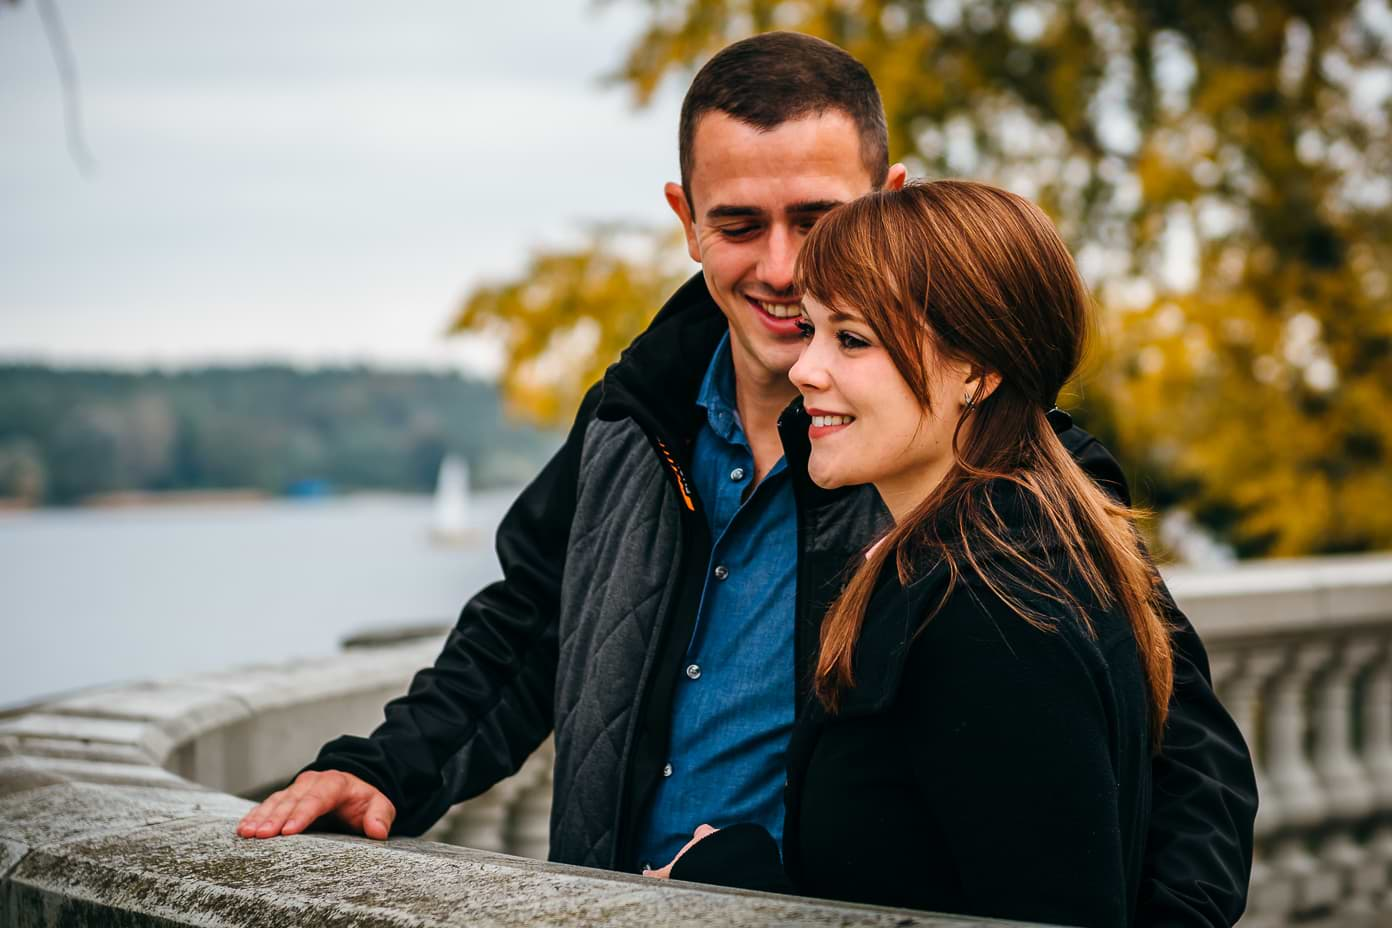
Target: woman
{"x":993,"y":678}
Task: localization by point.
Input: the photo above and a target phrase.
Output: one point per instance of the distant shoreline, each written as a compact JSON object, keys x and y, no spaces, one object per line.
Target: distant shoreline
{"x":174,"y":499}
{"x":129,"y":499}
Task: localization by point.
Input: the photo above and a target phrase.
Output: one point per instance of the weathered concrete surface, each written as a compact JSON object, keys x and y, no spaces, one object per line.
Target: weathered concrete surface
{"x":180,"y":710}
{"x":197,"y":865}
{"x":97,"y":826}
{"x":15,"y":771}
{"x":60,"y":812}
{"x":21,"y":773}
{"x":10,"y":854}
{"x":1285,"y":596}
{"x":77,"y":730}
{"x":36,"y":746}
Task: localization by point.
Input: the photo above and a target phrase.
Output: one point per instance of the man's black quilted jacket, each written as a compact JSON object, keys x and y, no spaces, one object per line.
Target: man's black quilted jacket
{"x":603,"y":558}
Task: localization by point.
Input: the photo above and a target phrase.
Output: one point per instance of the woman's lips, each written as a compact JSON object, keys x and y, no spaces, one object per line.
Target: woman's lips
{"x":825,"y":422}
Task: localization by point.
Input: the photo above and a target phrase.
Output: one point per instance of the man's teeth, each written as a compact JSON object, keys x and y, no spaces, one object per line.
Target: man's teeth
{"x":781,"y":310}
{"x":823,"y":421}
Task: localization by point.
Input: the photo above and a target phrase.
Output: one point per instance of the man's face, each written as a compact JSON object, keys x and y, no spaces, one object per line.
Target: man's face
{"x":755,"y":196}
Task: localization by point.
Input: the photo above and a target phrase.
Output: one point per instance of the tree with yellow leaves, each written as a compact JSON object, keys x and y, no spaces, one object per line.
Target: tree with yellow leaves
{"x":1222,"y":172}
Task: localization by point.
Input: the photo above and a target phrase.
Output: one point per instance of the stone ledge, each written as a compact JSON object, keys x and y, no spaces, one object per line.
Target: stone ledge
{"x":78,"y":853}
{"x":101,"y":821}
{"x":1285,"y":597}
{"x":94,"y":831}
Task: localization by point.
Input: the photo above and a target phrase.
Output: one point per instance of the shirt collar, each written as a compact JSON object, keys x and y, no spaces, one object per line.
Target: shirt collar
{"x":717,"y":395}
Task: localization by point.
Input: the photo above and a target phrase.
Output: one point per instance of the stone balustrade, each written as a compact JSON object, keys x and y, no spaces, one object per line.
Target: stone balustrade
{"x":114,"y":805}
{"x":1301,"y":653}
{"x":115,"y":810}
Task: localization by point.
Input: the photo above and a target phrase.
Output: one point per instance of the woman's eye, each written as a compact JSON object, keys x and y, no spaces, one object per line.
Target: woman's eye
{"x":804,"y":328}
{"x":848,"y":340}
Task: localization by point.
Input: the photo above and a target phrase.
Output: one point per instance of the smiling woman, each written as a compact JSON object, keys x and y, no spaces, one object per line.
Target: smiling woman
{"x":996,"y":674}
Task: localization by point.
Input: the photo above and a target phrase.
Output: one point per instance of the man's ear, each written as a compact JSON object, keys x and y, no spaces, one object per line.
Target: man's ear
{"x":676,"y":198}
{"x":896,"y":178}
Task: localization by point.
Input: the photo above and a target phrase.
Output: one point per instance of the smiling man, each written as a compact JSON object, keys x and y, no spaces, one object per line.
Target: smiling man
{"x":666,"y":573}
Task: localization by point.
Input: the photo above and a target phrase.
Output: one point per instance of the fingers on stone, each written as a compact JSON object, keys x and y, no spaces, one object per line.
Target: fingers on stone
{"x":378,"y":818}
{"x":275,"y":816}
{"x":304,"y":812}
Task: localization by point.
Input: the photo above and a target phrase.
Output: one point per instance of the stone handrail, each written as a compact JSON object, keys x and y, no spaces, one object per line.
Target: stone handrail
{"x":114,"y":810}
{"x":114,"y":804}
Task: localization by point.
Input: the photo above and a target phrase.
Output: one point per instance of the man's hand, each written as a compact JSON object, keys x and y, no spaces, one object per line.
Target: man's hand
{"x":702,"y":832}
{"x":360,"y":806}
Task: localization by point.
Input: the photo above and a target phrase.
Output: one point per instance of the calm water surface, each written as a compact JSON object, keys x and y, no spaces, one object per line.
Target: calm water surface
{"x":95,"y":596}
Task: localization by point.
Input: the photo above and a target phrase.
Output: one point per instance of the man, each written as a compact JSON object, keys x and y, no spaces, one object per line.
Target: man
{"x":665,"y":574}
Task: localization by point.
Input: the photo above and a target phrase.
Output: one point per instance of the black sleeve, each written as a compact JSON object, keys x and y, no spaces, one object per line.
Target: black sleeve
{"x":743,"y":855}
{"x":1198,"y":859}
{"x":473,"y":717}
{"x":1012,"y":750}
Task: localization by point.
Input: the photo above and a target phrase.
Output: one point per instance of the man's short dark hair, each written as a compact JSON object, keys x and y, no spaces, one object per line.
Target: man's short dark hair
{"x":769,"y":79}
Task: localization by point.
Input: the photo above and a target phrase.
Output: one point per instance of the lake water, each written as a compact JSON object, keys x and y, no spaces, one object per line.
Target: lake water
{"x":96,"y":596}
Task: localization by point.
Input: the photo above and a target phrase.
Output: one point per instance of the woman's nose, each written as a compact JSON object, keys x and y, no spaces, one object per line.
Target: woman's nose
{"x":807,"y":373}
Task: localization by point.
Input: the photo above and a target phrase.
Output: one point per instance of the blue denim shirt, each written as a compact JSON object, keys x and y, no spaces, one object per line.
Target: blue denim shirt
{"x":732,"y":713}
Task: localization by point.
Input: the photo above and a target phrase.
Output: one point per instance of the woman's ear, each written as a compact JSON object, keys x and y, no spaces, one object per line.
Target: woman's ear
{"x":982,"y":383}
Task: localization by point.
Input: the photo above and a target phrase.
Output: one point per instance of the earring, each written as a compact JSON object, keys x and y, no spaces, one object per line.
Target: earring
{"x":968,"y":401}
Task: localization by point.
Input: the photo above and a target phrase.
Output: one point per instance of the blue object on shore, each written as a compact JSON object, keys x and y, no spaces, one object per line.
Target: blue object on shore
{"x":309,"y":488}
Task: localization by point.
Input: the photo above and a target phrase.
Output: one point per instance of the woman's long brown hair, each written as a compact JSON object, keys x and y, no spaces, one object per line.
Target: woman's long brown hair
{"x":967,"y":272}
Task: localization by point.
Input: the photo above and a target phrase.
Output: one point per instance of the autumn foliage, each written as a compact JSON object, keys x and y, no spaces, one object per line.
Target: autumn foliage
{"x":1222,"y":172}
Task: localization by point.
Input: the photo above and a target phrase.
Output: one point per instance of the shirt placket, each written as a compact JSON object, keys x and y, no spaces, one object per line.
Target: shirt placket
{"x":738,"y":467}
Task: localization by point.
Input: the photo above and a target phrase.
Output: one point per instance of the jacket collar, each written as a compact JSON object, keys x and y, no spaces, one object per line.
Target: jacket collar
{"x":657,"y":378}
{"x":893,"y":617}
{"x":896,"y":611}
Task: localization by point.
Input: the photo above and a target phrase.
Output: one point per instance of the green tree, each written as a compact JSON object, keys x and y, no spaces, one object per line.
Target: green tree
{"x":1221,"y":172}
{"x":22,"y":474}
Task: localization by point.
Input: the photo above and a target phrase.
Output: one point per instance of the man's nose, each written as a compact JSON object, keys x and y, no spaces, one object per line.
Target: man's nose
{"x":776,"y":268}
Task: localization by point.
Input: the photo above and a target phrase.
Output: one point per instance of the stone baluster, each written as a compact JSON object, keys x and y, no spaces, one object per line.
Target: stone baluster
{"x":529,"y":825}
{"x":1292,"y":778}
{"x":481,"y":823}
{"x":1377,"y":726}
{"x":1242,"y":695}
{"x":1348,"y":790}
{"x":1377,"y":760}
{"x":1270,"y":900}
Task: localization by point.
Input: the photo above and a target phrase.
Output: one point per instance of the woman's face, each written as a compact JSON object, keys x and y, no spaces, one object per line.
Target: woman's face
{"x":867,"y":425}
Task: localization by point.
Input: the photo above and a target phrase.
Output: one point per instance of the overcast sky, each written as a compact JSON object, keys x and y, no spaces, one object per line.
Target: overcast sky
{"x":306,"y":181}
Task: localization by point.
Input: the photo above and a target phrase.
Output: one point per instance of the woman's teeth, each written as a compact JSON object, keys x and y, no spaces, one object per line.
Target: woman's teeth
{"x":823,"y":421}
{"x":781,"y":310}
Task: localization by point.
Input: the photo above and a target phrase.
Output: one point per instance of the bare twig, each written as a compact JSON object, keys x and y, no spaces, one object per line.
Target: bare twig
{"x":72,"y":94}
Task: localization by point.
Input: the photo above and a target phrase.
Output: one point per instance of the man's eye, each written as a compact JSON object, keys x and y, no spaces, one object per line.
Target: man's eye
{"x":849,"y":341}
{"x":738,"y":231}
{"x":805,"y":328}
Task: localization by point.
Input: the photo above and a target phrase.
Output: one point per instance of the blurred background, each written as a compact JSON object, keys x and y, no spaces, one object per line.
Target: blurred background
{"x":293,"y":298}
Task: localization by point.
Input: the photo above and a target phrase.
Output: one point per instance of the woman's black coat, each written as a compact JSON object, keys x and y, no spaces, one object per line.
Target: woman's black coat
{"x":983,"y":767}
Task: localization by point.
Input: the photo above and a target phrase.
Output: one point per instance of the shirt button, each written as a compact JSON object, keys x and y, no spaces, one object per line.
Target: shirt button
{"x":693,"y":671}
{"x":737,"y":473}
{"x":666,"y":772}
{"x":721,"y":571}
